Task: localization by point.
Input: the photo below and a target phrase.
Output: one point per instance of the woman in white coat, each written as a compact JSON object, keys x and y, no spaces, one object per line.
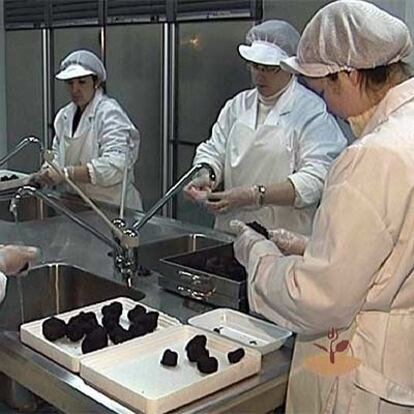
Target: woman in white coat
{"x":14,"y":259}
{"x":272,"y":145}
{"x":350,"y":297}
{"x":95,"y":140}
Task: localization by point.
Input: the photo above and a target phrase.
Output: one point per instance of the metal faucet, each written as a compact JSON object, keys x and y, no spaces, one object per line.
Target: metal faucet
{"x":22,"y":144}
{"x":177,"y":187}
{"x":123,"y":245}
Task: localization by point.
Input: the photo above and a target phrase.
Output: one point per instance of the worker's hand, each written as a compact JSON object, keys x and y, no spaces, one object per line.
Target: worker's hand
{"x":199,"y":188}
{"x":14,"y":259}
{"x":289,"y":242}
{"x":221,"y":202}
{"x":46,"y":176}
{"x":250,"y":245}
{"x":246,"y":239}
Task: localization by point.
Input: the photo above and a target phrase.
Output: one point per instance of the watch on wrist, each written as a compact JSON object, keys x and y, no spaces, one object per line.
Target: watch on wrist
{"x":261,"y":190}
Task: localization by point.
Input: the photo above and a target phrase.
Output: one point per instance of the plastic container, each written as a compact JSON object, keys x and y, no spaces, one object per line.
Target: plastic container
{"x":242,"y":328}
{"x":134,"y":376}
{"x":68,"y":353}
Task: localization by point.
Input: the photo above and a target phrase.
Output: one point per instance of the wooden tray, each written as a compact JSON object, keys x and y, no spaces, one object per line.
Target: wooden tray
{"x":68,"y":353}
{"x":134,"y":376}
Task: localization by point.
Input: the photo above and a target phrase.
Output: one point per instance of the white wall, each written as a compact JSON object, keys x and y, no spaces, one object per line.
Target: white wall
{"x":3,"y":126}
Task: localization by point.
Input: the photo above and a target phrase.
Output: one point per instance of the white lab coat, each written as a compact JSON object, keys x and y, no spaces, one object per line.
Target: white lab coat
{"x":297,"y":141}
{"x":357,"y":273}
{"x":103,"y":137}
{"x":3,"y":285}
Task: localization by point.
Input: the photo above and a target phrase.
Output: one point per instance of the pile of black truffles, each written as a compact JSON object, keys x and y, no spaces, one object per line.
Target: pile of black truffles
{"x":9,"y":177}
{"x":85,"y":325}
{"x":198,"y":353}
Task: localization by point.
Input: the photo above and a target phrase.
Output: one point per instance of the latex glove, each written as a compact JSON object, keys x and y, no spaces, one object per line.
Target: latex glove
{"x":14,"y":259}
{"x":199,"y":188}
{"x":224,"y":201}
{"x":46,"y":176}
{"x":289,"y":242}
{"x":246,"y":239}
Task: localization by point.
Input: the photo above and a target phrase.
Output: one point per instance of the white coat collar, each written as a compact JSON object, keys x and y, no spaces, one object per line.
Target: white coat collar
{"x":393,"y":100}
{"x":283,"y":106}
{"x":89,"y":112}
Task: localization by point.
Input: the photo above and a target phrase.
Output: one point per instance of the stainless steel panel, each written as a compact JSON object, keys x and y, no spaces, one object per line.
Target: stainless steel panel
{"x":66,"y":41}
{"x":55,"y":288}
{"x":134,"y":79}
{"x":297,"y":12}
{"x":210,"y":71}
{"x":24,"y":94}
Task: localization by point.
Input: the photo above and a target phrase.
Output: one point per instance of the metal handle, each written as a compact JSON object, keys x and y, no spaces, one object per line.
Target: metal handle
{"x":194,"y":294}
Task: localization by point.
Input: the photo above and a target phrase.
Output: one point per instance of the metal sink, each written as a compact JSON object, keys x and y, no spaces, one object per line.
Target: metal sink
{"x":55,"y":288}
{"x":30,"y":208}
{"x":149,"y":254}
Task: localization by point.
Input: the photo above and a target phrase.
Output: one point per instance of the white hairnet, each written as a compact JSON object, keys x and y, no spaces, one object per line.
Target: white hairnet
{"x":349,"y":34}
{"x":270,"y":42}
{"x":81,"y":63}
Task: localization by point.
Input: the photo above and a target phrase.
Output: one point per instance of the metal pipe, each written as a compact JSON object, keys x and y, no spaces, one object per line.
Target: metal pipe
{"x":170,"y":193}
{"x":22,"y":144}
{"x":29,"y":190}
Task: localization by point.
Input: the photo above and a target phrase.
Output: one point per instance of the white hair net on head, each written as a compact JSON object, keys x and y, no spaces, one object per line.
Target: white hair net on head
{"x":81,"y":63}
{"x":349,"y":34}
{"x":270,"y":42}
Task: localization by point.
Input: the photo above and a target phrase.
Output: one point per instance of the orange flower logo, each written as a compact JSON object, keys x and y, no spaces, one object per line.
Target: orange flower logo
{"x":330,"y":363}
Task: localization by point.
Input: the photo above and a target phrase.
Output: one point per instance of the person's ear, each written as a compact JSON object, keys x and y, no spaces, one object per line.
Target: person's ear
{"x":354,"y":77}
{"x":97,"y":83}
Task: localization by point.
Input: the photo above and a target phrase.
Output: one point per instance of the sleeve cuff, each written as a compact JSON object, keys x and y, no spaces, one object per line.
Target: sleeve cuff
{"x":91,"y":172}
{"x":305,"y":192}
{"x":3,"y":285}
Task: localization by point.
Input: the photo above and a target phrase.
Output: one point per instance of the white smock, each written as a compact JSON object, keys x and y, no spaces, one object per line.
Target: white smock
{"x":357,"y":274}
{"x":104,"y":139}
{"x":297,"y":141}
{"x":3,"y":285}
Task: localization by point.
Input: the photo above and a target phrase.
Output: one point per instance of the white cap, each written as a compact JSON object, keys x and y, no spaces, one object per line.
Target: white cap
{"x":81,"y":63}
{"x":347,"y":35}
{"x":270,"y":42}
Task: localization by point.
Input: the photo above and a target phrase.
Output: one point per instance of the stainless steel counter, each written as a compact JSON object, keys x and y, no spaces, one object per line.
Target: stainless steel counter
{"x":63,"y":241}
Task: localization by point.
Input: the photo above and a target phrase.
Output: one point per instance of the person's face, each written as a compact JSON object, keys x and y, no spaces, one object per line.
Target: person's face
{"x":268,"y":79}
{"x":82,"y":90}
{"x":342,"y":95}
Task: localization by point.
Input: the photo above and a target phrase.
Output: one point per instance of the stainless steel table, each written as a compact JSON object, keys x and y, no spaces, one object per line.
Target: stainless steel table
{"x":61,"y":240}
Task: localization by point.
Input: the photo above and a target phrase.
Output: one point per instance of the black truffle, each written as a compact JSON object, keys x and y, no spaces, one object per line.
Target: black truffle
{"x":169,"y":358}
{"x":115,"y":309}
{"x":137,"y":329}
{"x":136,"y":312}
{"x":196,"y":348}
{"x":199,"y":341}
{"x":151,"y":321}
{"x":53,"y":329}
{"x":109,"y":321}
{"x":235,"y":356}
{"x":118,"y":334}
{"x":207,"y":365}
{"x":75,"y":329}
{"x":258,"y":228}
{"x":97,"y":339}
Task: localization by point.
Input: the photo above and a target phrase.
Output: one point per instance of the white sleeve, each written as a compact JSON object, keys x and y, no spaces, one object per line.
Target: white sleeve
{"x":117,"y":136}
{"x":213,"y":151}
{"x":3,"y":285}
{"x":328,"y":285}
{"x":320,"y":142}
